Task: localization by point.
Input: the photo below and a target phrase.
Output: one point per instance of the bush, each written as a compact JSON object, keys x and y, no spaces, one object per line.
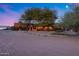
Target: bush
{"x":58,"y":30}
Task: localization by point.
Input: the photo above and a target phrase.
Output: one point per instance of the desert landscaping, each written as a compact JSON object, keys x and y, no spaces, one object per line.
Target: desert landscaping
{"x":39,"y":29}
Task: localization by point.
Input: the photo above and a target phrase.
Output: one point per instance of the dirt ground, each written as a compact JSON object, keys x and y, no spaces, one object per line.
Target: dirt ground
{"x":23,"y":43}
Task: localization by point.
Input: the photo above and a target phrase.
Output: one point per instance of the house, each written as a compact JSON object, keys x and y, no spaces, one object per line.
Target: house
{"x":33,"y":27}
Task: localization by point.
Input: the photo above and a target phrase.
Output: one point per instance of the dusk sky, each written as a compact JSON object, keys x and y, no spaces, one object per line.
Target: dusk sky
{"x":10,"y":13}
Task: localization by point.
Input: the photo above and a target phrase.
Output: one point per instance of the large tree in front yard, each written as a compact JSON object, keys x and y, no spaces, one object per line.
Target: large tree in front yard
{"x":40,"y":15}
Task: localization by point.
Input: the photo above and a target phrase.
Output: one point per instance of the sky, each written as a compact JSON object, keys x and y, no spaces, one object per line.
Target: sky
{"x":11,"y":12}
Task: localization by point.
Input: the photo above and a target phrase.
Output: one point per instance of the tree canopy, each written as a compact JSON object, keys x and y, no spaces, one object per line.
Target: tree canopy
{"x":40,"y":15}
{"x":71,"y":19}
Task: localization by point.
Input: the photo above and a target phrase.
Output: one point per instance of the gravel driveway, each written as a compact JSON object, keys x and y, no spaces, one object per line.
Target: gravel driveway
{"x":22,"y":43}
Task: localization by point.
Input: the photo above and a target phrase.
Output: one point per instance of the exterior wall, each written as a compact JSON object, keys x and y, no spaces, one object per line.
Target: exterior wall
{"x":19,"y":26}
{"x":45,"y":28}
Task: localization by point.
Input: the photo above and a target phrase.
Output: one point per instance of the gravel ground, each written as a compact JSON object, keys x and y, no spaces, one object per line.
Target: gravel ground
{"x":22,"y":43}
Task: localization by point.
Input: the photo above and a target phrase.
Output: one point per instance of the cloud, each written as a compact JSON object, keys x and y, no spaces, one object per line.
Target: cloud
{"x":8,"y":17}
